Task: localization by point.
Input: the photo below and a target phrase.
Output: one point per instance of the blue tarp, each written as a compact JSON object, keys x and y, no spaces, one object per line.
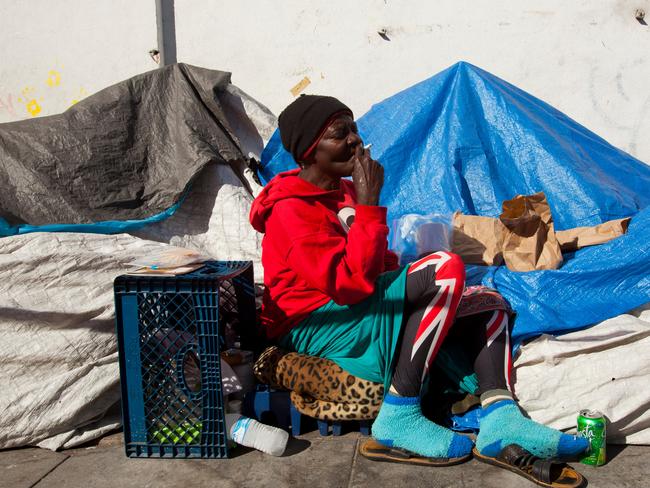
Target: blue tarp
{"x":103,"y":227}
{"x":467,"y":140}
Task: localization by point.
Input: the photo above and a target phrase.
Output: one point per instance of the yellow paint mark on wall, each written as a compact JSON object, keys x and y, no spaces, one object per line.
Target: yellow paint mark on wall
{"x":29,"y":99}
{"x":82,"y":94}
{"x":53,"y":78}
{"x":302,"y":84}
{"x":26,"y":94}
{"x":33,"y":107}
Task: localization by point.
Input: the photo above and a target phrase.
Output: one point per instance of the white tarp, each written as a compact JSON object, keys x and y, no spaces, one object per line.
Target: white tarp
{"x":58,"y":355}
{"x":605,"y":367}
{"x":213,"y":220}
{"x":59,"y":352}
{"x":59,"y":362}
{"x":58,"y":358}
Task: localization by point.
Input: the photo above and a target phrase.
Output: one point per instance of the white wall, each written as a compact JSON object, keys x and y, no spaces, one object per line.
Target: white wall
{"x":589,"y":59}
{"x":56,"y":52}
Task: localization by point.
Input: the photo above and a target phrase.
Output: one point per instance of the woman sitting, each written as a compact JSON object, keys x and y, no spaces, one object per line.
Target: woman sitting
{"x":334,"y":290}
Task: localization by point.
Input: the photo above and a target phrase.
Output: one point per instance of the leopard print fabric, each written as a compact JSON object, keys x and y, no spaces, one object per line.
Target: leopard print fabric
{"x":319,"y":387}
{"x":265,"y":367}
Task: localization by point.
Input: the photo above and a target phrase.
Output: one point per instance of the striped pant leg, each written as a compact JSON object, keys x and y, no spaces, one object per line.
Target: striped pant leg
{"x":434,"y":286}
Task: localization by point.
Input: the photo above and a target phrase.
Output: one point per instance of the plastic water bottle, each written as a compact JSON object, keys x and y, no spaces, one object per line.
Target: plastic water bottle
{"x":251,"y":433}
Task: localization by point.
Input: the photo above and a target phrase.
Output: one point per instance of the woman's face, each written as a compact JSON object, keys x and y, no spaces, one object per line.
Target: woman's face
{"x":334,"y":153}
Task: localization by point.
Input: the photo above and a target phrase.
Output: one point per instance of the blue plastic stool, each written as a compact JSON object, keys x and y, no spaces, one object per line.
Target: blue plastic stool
{"x":341,"y":426}
{"x":269,"y":406}
{"x":274,"y":407}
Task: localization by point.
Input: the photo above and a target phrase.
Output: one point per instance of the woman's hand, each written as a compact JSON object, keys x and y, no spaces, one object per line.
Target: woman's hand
{"x":367,"y":177}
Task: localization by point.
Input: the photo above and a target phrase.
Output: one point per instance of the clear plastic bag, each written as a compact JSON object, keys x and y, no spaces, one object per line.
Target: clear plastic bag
{"x":414,"y":235}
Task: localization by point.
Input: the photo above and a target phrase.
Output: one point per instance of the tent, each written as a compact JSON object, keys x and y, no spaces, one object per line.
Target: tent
{"x":99,"y":169}
{"x":162,"y":155}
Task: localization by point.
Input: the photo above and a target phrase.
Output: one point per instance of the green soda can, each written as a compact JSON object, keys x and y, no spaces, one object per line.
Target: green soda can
{"x":593,"y":426}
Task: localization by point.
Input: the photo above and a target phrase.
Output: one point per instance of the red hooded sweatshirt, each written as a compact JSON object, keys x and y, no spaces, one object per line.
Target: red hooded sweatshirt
{"x":309,"y":255}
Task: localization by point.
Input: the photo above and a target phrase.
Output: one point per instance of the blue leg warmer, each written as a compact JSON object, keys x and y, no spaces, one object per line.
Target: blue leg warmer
{"x":400,"y":423}
{"x":502,"y":423}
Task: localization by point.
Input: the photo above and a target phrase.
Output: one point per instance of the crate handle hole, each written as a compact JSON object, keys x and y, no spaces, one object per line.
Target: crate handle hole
{"x":188,"y":371}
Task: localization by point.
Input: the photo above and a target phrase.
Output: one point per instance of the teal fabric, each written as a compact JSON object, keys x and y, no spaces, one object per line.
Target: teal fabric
{"x":361,"y":338}
{"x":455,"y":363}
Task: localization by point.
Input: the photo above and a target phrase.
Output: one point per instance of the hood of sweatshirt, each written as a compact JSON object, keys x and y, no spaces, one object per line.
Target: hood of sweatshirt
{"x":289,"y":185}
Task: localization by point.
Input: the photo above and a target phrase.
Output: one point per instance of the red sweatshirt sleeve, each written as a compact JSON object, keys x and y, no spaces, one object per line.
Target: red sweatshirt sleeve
{"x":345,"y":269}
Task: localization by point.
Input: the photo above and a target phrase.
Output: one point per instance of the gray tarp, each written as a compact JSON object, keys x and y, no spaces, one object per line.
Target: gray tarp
{"x":126,"y":152}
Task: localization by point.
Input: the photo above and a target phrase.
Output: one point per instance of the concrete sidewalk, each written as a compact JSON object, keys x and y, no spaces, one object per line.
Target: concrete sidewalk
{"x":310,"y":461}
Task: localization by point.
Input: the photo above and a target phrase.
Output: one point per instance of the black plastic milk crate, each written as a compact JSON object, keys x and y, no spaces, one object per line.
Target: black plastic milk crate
{"x":169,"y":331}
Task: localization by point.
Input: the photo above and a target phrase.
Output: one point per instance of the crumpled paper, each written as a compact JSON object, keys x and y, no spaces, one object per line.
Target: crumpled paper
{"x":524,"y":237}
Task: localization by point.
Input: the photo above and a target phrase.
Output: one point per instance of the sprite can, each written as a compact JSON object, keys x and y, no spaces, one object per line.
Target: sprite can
{"x":592,"y":426}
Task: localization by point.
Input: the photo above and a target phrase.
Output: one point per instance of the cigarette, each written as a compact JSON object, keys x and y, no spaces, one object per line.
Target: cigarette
{"x":367,"y":146}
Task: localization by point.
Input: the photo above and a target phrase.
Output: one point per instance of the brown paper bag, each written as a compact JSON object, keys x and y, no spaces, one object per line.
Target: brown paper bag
{"x":529,"y":241}
{"x":579,"y":237}
{"x":477,"y":240}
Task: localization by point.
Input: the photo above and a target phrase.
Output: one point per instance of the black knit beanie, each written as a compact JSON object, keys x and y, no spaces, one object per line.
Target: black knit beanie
{"x":304,"y":119}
